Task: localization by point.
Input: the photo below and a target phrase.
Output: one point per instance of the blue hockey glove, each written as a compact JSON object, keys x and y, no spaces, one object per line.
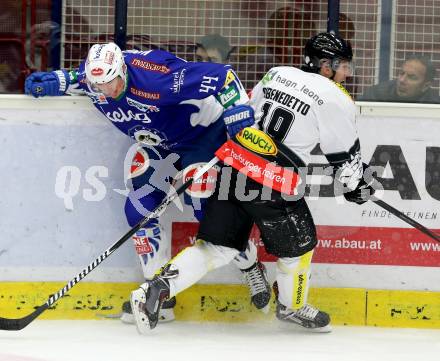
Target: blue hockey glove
{"x":237,"y":118}
{"x":52,"y":83}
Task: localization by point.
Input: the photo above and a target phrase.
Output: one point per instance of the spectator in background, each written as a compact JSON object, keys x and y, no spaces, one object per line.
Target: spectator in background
{"x":213,"y":48}
{"x":346,"y":27}
{"x":285,"y":32}
{"x":347,"y":31}
{"x":413,"y":84}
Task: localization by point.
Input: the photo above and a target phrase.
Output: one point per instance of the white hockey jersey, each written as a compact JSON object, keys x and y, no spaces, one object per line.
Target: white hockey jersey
{"x":302,"y":109}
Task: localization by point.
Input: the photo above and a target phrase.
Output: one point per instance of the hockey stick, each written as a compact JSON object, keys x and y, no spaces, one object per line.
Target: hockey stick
{"x":406,"y":219}
{"x":14,"y":324}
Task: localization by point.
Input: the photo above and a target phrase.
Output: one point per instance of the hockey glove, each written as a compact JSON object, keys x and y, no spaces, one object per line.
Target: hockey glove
{"x":237,"y":118}
{"x":52,"y":83}
{"x":361,"y":194}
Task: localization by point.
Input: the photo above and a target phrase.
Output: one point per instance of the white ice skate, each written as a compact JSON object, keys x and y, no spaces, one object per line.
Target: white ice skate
{"x":147,"y":300}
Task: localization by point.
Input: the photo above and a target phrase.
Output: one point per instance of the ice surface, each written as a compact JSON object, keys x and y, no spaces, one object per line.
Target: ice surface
{"x":111,"y":340}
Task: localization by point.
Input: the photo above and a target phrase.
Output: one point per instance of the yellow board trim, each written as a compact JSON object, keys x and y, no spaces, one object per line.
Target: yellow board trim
{"x":403,"y":309}
{"x":85,"y":301}
{"x":232,"y":304}
{"x":225,"y":303}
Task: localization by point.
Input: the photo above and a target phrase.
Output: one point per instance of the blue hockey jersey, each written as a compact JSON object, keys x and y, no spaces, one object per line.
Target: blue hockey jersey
{"x":167,"y":101}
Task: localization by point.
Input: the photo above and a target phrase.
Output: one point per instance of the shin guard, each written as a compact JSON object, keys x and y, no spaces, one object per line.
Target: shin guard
{"x":293,"y":276}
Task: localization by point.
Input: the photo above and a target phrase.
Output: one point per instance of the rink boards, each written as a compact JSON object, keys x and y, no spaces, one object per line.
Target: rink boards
{"x":227,"y":303}
{"x":63,"y":198}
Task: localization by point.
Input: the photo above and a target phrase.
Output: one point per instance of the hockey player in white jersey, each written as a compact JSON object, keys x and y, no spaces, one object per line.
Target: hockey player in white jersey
{"x":298,"y":109}
{"x":301,"y":108}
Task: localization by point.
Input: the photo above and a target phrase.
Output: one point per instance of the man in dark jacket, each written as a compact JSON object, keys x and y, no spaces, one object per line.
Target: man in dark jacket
{"x":413,"y":84}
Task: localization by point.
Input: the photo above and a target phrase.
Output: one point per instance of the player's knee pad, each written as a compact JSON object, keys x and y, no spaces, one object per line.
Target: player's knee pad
{"x":247,"y":258}
{"x":150,"y":248}
{"x":293,"y":276}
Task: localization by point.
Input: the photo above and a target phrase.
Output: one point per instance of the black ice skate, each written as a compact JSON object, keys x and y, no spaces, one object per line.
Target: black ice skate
{"x":307,"y":316}
{"x":259,"y":287}
{"x":148,"y":299}
{"x":166,"y":313}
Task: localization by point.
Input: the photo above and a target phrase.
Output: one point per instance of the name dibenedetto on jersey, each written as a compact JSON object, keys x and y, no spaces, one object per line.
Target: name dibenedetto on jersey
{"x":302,"y":110}
{"x":273,"y":75}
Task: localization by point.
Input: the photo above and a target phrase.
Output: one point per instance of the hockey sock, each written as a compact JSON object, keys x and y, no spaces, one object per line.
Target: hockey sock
{"x":196,"y":261}
{"x":246,"y":259}
{"x":149,"y":246}
{"x":293,"y":276}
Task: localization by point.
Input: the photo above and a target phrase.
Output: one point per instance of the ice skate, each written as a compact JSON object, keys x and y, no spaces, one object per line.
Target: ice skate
{"x":307,"y":316}
{"x":259,"y":287}
{"x":148,"y":299}
{"x":166,"y":313}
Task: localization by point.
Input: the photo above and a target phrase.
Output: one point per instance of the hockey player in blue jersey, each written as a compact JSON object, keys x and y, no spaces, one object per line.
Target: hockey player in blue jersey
{"x":170,"y":107}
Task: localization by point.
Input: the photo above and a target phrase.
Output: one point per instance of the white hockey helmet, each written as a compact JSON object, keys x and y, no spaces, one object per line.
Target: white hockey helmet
{"x":104,"y":63}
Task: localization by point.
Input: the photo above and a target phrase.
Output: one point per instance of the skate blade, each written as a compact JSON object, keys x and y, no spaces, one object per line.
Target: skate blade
{"x":140,"y":318}
{"x":113,"y":316}
{"x":289,"y":325}
{"x":127,"y":318}
{"x":166,"y":315}
{"x":325,"y":329}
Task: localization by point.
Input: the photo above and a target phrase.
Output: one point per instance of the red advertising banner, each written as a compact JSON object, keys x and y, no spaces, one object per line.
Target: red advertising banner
{"x":259,"y":169}
{"x":345,"y":245}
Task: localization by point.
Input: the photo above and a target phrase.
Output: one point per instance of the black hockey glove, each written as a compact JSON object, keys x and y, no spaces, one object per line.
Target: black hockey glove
{"x":361,"y":194}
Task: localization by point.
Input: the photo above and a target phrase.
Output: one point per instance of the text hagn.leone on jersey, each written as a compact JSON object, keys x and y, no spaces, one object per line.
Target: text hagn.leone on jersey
{"x":292,"y":84}
{"x":286,"y":82}
{"x":312,"y":95}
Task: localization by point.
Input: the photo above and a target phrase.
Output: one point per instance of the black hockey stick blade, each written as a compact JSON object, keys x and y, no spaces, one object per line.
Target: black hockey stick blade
{"x":16,"y":324}
{"x":406,"y":219}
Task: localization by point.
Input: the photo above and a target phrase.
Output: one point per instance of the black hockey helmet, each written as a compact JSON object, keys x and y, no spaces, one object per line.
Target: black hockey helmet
{"x":325,"y":46}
